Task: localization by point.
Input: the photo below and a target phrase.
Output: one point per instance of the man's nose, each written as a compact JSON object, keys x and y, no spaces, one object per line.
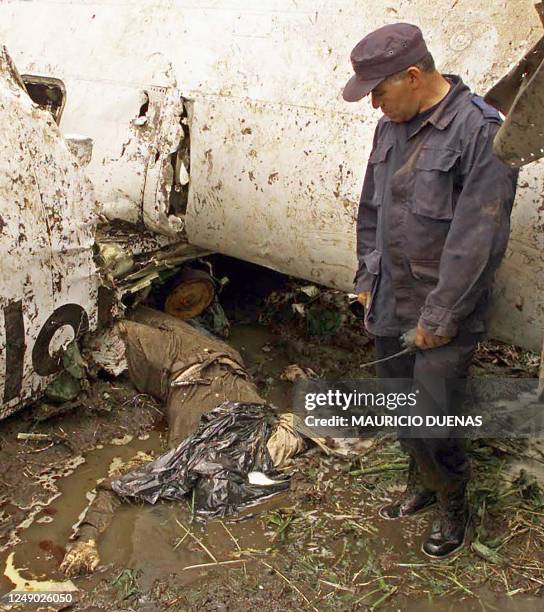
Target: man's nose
{"x":375,"y":103}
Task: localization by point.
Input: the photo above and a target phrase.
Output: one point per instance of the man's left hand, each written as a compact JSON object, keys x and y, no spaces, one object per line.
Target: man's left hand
{"x":427,"y":340}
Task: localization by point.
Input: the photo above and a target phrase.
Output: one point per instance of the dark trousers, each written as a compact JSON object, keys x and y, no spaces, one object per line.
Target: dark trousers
{"x":441,"y":462}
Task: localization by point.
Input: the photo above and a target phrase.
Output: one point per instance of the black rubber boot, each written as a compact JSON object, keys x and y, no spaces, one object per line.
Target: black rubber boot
{"x":449,"y":529}
{"x":415,"y":498}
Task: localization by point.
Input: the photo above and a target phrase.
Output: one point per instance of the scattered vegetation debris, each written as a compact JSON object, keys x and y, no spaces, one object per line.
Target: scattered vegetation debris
{"x":294,"y":372}
{"x":34,"y":437}
{"x":126,"y":584}
{"x":498,"y":358}
{"x":65,"y":388}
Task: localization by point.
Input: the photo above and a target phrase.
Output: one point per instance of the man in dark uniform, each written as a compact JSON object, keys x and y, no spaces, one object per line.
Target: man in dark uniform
{"x":433,"y":225}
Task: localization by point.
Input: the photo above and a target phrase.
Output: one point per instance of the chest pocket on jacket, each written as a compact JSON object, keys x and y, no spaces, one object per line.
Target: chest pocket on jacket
{"x":434,"y":180}
{"x":378,"y":159}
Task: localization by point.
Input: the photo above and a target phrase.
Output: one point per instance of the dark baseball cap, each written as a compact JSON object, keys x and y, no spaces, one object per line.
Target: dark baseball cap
{"x":382,"y":53}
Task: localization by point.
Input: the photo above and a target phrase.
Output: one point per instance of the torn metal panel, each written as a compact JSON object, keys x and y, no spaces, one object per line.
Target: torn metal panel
{"x":167,"y":260}
{"x":504,"y":92}
{"x":165,"y":159}
{"x":520,"y":95}
{"x":48,"y":280}
{"x":139,"y":180}
{"x":132,"y":259}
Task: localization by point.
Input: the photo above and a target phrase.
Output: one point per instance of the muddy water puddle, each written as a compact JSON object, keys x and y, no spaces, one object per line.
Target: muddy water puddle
{"x":42,"y":544}
{"x":153,"y":541}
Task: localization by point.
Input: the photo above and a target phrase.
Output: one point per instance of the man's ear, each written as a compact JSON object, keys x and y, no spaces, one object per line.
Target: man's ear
{"x":415,"y":76}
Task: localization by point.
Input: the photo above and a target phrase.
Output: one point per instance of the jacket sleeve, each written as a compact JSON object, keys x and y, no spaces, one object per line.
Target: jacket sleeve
{"x":478,"y":235}
{"x":367,"y":220}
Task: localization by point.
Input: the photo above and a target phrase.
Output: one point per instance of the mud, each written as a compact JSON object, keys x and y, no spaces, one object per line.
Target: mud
{"x":318,"y":547}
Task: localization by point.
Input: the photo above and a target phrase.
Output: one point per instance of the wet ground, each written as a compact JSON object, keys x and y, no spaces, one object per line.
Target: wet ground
{"x":320,"y":546}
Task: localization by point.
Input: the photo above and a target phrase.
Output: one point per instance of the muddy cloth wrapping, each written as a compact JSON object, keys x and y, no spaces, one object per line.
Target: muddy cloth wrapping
{"x":191,"y":371}
{"x":230,"y":442}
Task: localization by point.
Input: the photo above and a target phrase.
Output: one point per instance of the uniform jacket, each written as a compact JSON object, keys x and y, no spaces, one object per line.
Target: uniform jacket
{"x":434,"y":219}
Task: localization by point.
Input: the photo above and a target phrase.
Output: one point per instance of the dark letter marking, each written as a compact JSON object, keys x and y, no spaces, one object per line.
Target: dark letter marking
{"x":69,"y":314}
{"x":15,"y":349}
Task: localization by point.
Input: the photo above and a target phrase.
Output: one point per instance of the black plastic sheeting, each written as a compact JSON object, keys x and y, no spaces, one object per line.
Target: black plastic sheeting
{"x":215,"y":461}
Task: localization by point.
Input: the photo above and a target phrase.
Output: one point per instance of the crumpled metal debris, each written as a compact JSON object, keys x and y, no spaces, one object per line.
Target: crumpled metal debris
{"x":132,"y":259}
{"x":520,"y":96}
{"x":107,"y":351}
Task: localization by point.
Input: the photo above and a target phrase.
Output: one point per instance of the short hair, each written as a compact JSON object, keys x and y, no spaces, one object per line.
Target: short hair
{"x":426,"y":64}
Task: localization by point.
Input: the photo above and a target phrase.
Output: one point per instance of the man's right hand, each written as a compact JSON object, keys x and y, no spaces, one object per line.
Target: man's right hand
{"x":364,"y":298}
